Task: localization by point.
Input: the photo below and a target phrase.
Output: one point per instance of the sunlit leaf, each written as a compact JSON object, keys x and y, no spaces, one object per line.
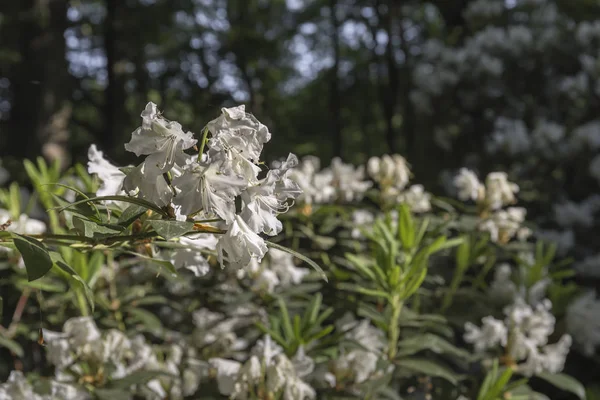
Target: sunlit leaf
{"x":35,"y":255}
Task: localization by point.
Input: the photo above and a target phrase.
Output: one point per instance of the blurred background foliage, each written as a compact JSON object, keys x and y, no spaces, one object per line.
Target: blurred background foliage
{"x":329,"y":77}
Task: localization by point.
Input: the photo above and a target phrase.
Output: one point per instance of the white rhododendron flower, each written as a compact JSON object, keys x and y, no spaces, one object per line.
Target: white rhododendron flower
{"x":161,"y":140}
{"x":23,"y":225}
{"x":266,"y":367}
{"x":389,"y":170}
{"x":210,"y":187}
{"x":111,"y":176}
{"x":241,"y":244}
{"x":469,"y":187}
{"x":583,"y":322}
{"x":499,"y":191}
{"x":146,"y":182}
{"x":416,"y":198}
{"x":492,"y":333}
{"x":240,"y":137}
{"x":527,"y":330}
{"x":191,"y":257}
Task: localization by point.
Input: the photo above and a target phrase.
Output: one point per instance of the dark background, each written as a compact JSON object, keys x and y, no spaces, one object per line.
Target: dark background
{"x":349,"y":78}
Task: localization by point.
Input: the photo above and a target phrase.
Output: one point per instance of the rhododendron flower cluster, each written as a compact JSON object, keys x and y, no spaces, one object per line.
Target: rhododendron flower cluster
{"x":205,"y":186}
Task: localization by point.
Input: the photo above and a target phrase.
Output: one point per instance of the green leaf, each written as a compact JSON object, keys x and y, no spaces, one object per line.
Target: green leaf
{"x":125,"y":199}
{"x":428,"y":341}
{"x":406,"y":228}
{"x":112,"y":394}
{"x":462,"y":255}
{"x":429,"y":368}
{"x":171,"y":229}
{"x":150,"y":321}
{"x":12,"y":346}
{"x":1,"y":307}
{"x":564,"y":382}
{"x":300,"y":256}
{"x":35,"y":255}
{"x":130,"y":214}
{"x":136,"y":378}
{"x":285,"y":317}
{"x":93,"y":230}
{"x":163,"y":263}
{"x":89,"y":295}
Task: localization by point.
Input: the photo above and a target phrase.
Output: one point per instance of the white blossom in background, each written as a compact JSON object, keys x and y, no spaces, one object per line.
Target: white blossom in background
{"x":4,"y":176}
{"x":594,"y":168}
{"x":586,"y":136}
{"x":547,"y":138}
{"x":492,"y":333}
{"x":266,"y":366}
{"x":484,"y":9}
{"x":17,"y":387}
{"x":589,"y":266}
{"x":349,"y":181}
{"x":361,"y":219}
{"x":571,"y":214}
{"x":510,"y":137}
{"x":81,"y":347}
{"x":111,"y":176}
{"x":468,"y":185}
{"x":23,"y":225}
{"x":191,"y":257}
{"x":389,"y":171}
{"x":564,"y":240}
{"x":503,"y":225}
{"x":356,"y":364}
{"x":502,"y":288}
{"x":416,"y":198}
{"x":276,"y":271}
{"x":583,"y":322}
{"x":316,"y":185}
{"x":528,"y":329}
{"x":499,"y":191}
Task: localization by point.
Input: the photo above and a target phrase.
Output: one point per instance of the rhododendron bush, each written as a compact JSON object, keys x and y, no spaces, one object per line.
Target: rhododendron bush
{"x":201,"y":272}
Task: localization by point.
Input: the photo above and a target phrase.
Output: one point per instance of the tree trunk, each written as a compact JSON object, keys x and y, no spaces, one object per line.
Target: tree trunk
{"x":40,"y":83}
{"x":334,"y":94}
{"x":114,"y":95}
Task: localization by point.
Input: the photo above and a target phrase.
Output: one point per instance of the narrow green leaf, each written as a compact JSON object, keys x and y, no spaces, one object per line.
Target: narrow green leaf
{"x":113,"y":394}
{"x":358,"y":289}
{"x":163,"y":263}
{"x":300,"y":256}
{"x":137,"y":378}
{"x":80,"y":193}
{"x":35,"y":255}
{"x":462,"y":255}
{"x":564,"y":382}
{"x":287,"y":322}
{"x":273,"y":333}
{"x":361,"y":264}
{"x":171,"y":229}
{"x":429,"y":368}
{"x":12,"y":346}
{"x":93,"y":230}
{"x":130,"y":214}
{"x":431,"y":342}
{"x":125,"y":199}
{"x":89,"y":295}
{"x":406,"y":229}
{"x":148,"y":320}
